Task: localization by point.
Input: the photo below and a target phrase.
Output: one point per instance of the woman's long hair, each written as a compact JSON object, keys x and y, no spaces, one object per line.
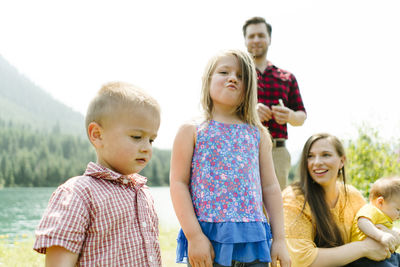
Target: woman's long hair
{"x":327,"y":232}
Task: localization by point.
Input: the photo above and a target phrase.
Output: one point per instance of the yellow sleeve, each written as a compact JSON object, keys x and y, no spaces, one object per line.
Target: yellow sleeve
{"x":299,"y":229}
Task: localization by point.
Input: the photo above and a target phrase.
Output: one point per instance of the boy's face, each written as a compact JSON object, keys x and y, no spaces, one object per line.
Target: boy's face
{"x":126,"y":139}
{"x":391,"y":207}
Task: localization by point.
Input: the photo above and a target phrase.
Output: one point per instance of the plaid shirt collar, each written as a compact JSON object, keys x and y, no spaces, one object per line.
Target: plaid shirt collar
{"x":95,"y":170}
{"x":270,"y":66}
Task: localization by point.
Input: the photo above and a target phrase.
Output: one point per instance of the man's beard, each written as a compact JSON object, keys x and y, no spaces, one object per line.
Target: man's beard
{"x":260,"y":54}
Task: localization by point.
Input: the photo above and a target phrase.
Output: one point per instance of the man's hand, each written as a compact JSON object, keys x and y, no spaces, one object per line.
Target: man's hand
{"x":264,"y":112}
{"x":281,"y":114}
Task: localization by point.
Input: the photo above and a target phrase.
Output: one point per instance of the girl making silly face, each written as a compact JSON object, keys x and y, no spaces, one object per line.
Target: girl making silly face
{"x":222,"y":174}
{"x":226,"y":86}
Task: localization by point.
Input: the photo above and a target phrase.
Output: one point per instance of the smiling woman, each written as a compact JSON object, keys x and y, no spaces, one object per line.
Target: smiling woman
{"x":324,"y":164}
{"x":320,"y":208}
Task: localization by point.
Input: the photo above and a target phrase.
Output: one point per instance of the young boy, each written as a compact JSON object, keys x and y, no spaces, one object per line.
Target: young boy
{"x":106,"y":217}
{"x":383,"y":209}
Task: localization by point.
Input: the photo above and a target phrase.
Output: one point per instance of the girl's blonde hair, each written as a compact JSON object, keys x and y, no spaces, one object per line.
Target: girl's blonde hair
{"x":246,"y":111}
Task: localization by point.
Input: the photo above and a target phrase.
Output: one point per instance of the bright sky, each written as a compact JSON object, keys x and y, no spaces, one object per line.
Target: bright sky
{"x":344,"y":54}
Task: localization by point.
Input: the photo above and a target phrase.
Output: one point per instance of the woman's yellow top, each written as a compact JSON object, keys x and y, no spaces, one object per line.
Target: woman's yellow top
{"x":300,"y":228}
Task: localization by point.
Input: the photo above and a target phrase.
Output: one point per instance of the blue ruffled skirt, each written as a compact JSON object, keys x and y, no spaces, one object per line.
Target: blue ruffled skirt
{"x":239,"y":241}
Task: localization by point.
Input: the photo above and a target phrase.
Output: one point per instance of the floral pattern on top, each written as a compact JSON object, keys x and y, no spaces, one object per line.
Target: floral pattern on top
{"x":225,"y":176}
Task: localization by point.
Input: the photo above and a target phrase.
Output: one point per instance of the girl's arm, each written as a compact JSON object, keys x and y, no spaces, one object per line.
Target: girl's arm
{"x":347,"y":253}
{"x":200,"y":251}
{"x":272,"y":199}
{"x":60,"y":257}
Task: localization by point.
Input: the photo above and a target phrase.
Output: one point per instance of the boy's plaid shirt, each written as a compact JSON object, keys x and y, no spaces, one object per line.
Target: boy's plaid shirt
{"x":107,"y":218}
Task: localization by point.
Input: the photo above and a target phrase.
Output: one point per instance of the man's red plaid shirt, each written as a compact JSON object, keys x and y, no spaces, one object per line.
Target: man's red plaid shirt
{"x":275,"y":84}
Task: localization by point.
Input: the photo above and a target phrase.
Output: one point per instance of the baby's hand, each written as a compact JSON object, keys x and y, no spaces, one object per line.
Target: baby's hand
{"x":394,"y":231}
{"x":389,"y":241}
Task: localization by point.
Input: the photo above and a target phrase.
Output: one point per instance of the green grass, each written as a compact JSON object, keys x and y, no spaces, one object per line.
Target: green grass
{"x":19,"y":252}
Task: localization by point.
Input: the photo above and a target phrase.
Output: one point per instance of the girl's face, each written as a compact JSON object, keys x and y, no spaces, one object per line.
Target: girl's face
{"x":226,"y":86}
{"x":324,"y":162}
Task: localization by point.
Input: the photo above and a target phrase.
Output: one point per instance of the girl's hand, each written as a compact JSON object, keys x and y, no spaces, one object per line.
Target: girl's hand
{"x":200,"y":251}
{"x":279,"y":253}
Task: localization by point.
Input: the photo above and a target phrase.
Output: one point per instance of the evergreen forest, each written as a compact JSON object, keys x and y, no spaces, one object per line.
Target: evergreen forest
{"x":33,"y":158}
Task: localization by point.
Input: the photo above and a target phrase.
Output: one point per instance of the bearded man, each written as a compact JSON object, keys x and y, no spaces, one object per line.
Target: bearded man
{"x":279,"y":96}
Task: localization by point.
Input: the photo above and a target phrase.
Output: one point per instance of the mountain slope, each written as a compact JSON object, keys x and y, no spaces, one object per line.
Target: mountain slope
{"x":23,"y":102}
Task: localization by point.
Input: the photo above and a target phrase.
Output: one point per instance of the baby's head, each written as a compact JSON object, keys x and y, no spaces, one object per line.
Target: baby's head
{"x":246,"y":109}
{"x":122,"y":121}
{"x":385,"y":195}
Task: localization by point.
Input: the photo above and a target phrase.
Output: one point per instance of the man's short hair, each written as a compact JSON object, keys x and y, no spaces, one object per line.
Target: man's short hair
{"x":386,"y":187}
{"x":257,"y":20}
{"x":116,"y":95}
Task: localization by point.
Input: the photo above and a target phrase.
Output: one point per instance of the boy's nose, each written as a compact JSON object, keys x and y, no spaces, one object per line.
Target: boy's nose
{"x":146,"y":146}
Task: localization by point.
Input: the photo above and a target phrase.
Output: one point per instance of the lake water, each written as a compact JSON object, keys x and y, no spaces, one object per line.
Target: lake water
{"x":22,"y":208}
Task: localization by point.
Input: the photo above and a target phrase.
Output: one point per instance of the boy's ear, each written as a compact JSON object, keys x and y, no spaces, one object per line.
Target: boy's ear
{"x":95,"y":134}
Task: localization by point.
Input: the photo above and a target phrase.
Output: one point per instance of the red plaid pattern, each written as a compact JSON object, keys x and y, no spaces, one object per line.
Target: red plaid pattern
{"x":273,"y":84}
{"x":107,"y":218}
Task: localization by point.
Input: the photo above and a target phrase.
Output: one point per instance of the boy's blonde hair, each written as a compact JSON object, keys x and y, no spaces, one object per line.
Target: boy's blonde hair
{"x":386,"y":187}
{"x":116,"y":95}
{"x":246,"y":111}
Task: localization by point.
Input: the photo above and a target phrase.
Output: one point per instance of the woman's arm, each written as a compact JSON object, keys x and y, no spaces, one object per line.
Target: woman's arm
{"x":272,"y":199}
{"x":350,"y":252}
{"x":200,"y":250}
{"x":60,"y":257}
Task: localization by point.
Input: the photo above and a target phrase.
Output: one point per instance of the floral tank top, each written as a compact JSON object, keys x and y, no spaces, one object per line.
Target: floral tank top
{"x":225,"y":176}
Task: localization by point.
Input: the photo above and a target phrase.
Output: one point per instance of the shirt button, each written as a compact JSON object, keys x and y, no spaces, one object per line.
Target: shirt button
{"x":151,"y":258}
{"x":144,"y":224}
{"x":125,"y":181}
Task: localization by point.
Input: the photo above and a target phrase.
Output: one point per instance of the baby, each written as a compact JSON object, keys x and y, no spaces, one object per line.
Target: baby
{"x":383,"y":209}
